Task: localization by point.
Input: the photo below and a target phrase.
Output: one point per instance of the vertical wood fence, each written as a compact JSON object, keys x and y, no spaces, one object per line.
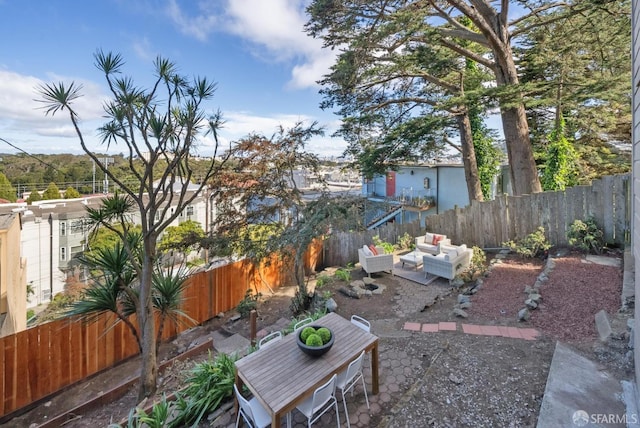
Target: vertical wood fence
{"x":489,"y":224}
{"x":44,"y":359}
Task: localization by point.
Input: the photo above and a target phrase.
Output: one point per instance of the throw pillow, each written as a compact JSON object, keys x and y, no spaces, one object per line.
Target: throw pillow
{"x":428,"y":238}
{"x":367,"y":251}
{"x":436,"y":239}
{"x":452,"y":254}
{"x":373,"y":249}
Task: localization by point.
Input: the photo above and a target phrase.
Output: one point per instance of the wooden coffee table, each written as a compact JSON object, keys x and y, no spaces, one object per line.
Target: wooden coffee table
{"x":414,"y":258}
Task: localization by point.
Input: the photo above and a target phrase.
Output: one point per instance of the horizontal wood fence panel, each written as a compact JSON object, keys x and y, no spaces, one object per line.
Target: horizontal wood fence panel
{"x":492,"y":223}
{"x":44,"y":359}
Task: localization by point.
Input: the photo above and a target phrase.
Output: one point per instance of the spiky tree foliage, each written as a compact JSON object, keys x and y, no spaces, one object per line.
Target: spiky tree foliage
{"x":159,"y":130}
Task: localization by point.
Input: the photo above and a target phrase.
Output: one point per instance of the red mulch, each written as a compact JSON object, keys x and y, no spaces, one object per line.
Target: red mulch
{"x":575,"y":292}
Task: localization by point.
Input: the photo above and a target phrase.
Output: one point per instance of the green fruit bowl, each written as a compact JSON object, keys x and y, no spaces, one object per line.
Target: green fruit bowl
{"x":314,"y":351}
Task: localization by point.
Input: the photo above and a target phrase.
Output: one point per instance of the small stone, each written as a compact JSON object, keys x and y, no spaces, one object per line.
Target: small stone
{"x":368,"y":280}
{"x":460,"y":313}
{"x":357,"y":284}
{"x":457,"y":282}
{"x":464,"y":305}
{"x":455,"y":379}
{"x":331,"y":305}
{"x":523,"y":314}
{"x":220,"y":315}
{"x":235,"y":317}
{"x":528,"y":290}
{"x":531,"y":304}
{"x":535,"y":297}
{"x":463,"y":298}
{"x":47,"y":404}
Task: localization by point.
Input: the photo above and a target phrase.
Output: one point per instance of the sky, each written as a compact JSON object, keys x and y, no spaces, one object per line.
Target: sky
{"x":264,"y":65}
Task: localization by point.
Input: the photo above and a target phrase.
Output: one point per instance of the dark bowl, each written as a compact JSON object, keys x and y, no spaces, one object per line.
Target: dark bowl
{"x":314,"y":351}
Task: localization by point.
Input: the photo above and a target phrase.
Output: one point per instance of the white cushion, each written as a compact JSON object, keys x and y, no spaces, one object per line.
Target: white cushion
{"x":461,"y":248}
{"x":367,"y":251}
{"x":428,"y":238}
{"x":451,"y":254}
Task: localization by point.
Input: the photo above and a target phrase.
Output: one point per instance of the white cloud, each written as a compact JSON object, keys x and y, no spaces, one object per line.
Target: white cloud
{"x":240,"y":124}
{"x":20,"y":110}
{"x":276,"y":26}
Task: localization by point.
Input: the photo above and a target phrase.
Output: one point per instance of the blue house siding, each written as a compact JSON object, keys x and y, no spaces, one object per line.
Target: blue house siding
{"x":445,"y":183}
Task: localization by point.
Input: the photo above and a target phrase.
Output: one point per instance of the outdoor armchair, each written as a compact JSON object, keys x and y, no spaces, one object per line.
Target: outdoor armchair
{"x":376,"y":263}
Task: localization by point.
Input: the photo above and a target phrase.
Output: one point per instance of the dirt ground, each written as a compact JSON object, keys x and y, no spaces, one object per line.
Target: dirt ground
{"x":457,"y":379}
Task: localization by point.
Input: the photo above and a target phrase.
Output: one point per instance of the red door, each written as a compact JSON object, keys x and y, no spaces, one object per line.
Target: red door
{"x":391,"y":184}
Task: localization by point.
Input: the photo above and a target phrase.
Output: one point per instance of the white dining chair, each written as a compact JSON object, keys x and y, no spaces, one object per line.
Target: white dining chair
{"x":323,"y":399}
{"x":302,"y":323}
{"x":361,"y":322}
{"x":347,"y":380}
{"x":251,"y":411}
{"x":269,"y":339}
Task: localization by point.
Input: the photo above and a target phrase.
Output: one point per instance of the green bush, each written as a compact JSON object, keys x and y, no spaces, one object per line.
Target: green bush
{"x":248,"y":303}
{"x":406,"y":242}
{"x":322,"y":280}
{"x":478,"y":265}
{"x":386,"y":246}
{"x":343,"y":274}
{"x":314,"y":340}
{"x":586,"y":235}
{"x":324,"y":334}
{"x":533,"y":245}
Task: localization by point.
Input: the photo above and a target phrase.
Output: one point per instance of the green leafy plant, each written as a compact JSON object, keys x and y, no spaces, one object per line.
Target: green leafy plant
{"x":158,"y":417}
{"x":406,"y":242}
{"x":322,"y":280}
{"x":477,"y":266}
{"x":343,"y":274}
{"x":386,"y":246}
{"x":586,"y":235}
{"x":248,"y":303}
{"x":209,"y":383}
{"x":533,"y":245}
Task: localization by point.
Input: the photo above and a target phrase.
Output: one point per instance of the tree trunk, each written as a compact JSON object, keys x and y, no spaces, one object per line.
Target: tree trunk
{"x":469,"y":158}
{"x":149,"y":369}
{"x":524,"y":173}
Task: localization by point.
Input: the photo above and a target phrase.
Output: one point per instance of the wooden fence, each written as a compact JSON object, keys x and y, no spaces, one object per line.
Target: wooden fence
{"x":44,"y":359}
{"x":489,"y":224}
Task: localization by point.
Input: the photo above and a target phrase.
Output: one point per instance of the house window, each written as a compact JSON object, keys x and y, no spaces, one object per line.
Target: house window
{"x":63,"y":253}
{"x":63,"y":228}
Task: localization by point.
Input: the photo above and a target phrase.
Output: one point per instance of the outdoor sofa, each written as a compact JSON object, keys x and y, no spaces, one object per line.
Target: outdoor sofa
{"x":431,"y":242}
{"x":449,"y":263}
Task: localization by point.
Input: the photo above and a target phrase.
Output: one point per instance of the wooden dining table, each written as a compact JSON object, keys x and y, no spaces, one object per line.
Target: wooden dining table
{"x":281,"y":376}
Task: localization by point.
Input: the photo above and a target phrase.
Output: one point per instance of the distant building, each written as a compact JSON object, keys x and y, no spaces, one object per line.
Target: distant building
{"x":415,"y":191}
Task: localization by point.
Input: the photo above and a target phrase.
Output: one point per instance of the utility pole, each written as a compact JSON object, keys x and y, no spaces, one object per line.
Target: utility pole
{"x":106,"y":162}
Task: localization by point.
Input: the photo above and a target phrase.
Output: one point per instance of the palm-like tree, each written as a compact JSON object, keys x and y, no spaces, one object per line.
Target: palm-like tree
{"x":115,"y":288}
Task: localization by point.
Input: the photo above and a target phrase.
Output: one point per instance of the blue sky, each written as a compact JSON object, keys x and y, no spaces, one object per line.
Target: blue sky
{"x":256,"y":50}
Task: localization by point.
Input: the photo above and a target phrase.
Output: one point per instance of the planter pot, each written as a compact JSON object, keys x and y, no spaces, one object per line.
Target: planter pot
{"x":314,"y":351}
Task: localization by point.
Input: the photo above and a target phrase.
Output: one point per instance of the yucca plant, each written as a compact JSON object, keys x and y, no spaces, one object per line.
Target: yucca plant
{"x":209,"y":384}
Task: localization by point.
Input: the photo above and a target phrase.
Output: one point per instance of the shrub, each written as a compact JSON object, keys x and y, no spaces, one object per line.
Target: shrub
{"x":586,"y":235}
{"x":533,"y":245}
{"x":322,"y":280}
{"x":477,"y":266}
{"x":386,"y":246}
{"x":314,"y":340}
{"x":343,"y":274}
{"x":248,"y":303}
{"x":406,"y":242}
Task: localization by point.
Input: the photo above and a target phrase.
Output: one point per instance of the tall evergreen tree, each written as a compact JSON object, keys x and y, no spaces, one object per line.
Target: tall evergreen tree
{"x":7,"y":191}
{"x":51,"y":192}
